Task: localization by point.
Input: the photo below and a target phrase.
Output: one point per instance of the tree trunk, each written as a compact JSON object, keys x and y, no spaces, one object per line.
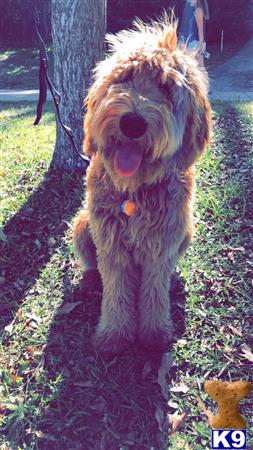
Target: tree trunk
{"x":78,"y":28}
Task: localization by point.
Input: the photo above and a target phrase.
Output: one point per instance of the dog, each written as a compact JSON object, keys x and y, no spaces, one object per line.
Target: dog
{"x":148,"y":120}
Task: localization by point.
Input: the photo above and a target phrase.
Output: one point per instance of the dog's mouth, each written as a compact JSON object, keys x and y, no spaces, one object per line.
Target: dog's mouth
{"x":127,"y":159}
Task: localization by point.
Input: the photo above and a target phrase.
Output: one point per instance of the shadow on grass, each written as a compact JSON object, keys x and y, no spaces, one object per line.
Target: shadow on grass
{"x":21,"y":68}
{"x":21,"y":110}
{"x":103,"y":404}
{"x":27,"y":111}
{"x":30,"y":234}
{"x":237,"y":178}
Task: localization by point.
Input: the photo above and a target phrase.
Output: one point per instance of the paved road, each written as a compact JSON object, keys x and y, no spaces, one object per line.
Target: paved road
{"x":232,"y":81}
{"x":20,"y":95}
{"x":9,"y":95}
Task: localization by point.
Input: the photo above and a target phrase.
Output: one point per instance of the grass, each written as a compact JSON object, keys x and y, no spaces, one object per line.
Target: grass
{"x":55,"y":391}
{"x":20,"y":68}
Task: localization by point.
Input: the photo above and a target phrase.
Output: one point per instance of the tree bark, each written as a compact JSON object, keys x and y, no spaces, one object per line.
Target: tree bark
{"x":78,"y":28}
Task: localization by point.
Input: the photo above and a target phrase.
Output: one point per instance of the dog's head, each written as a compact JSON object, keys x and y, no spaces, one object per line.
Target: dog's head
{"x":147,"y":107}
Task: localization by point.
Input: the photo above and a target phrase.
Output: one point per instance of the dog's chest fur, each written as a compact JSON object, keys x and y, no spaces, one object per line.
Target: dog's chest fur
{"x":160,"y":208}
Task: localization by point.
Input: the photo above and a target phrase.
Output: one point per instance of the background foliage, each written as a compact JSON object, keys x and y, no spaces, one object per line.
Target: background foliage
{"x":17,"y":22}
{"x":233,"y":16}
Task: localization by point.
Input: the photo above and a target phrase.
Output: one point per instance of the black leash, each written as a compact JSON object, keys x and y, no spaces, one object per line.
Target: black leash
{"x":44,"y":80}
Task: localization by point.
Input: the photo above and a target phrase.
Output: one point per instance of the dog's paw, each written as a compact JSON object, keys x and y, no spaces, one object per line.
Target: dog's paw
{"x":109,"y":343}
{"x":156,"y":340}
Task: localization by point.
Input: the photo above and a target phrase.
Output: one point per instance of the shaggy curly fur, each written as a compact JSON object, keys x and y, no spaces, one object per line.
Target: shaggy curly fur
{"x":147,"y":121}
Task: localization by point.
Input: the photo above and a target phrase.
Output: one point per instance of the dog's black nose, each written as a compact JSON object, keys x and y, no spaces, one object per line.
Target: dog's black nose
{"x":133,"y":125}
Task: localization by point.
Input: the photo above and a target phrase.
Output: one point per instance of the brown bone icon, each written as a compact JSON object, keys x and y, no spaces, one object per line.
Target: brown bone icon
{"x":227,"y":395}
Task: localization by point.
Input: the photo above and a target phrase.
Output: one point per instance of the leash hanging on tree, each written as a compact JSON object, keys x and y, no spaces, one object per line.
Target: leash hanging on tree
{"x":45,"y":81}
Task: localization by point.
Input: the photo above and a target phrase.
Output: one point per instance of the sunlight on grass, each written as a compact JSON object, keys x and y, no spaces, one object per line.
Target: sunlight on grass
{"x":4,"y":56}
{"x":7,"y":114}
{"x":216,"y":267}
{"x":51,"y":382}
{"x":16,"y":70}
{"x":25,"y":154}
{"x":20,"y":68}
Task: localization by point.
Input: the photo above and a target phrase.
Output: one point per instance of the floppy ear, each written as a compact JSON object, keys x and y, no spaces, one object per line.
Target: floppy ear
{"x":95,"y":95}
{"x":197,"y":130}
{"x":89,"y":147}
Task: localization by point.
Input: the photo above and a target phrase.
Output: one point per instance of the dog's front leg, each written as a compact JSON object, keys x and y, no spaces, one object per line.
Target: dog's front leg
{"x":118,"y":323}
{"x":155,"y":326}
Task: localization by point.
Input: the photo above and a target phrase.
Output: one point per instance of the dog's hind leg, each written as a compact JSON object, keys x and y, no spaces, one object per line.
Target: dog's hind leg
{"x":84,"y":244}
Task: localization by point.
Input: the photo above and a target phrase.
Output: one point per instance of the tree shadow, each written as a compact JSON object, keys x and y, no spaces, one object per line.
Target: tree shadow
{"x":29,"y":237}
{"x":22,"y":110}
{"x":20,"y":69}
{"x":238,"y":177}
{"x":103,"y":404}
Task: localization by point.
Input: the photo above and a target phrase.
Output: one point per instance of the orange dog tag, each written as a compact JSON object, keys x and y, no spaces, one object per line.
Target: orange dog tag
{"x":128,"y":207}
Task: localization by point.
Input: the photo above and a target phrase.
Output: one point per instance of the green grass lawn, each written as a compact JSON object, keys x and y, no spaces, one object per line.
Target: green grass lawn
{"x":20,"y":68}
{"x":55,"y":391}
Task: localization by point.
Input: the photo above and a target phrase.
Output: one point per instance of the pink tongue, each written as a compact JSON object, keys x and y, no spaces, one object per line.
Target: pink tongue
{"x":127,"y":159}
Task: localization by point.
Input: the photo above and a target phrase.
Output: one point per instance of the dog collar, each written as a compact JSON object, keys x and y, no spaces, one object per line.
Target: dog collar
{"x":128,"y":207}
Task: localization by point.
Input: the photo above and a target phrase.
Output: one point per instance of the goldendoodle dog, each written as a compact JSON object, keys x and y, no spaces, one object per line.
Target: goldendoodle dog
{"x":147,"y":121}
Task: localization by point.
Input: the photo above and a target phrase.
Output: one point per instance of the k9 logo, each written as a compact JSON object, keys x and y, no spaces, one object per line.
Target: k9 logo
{"x":229,"y":439}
